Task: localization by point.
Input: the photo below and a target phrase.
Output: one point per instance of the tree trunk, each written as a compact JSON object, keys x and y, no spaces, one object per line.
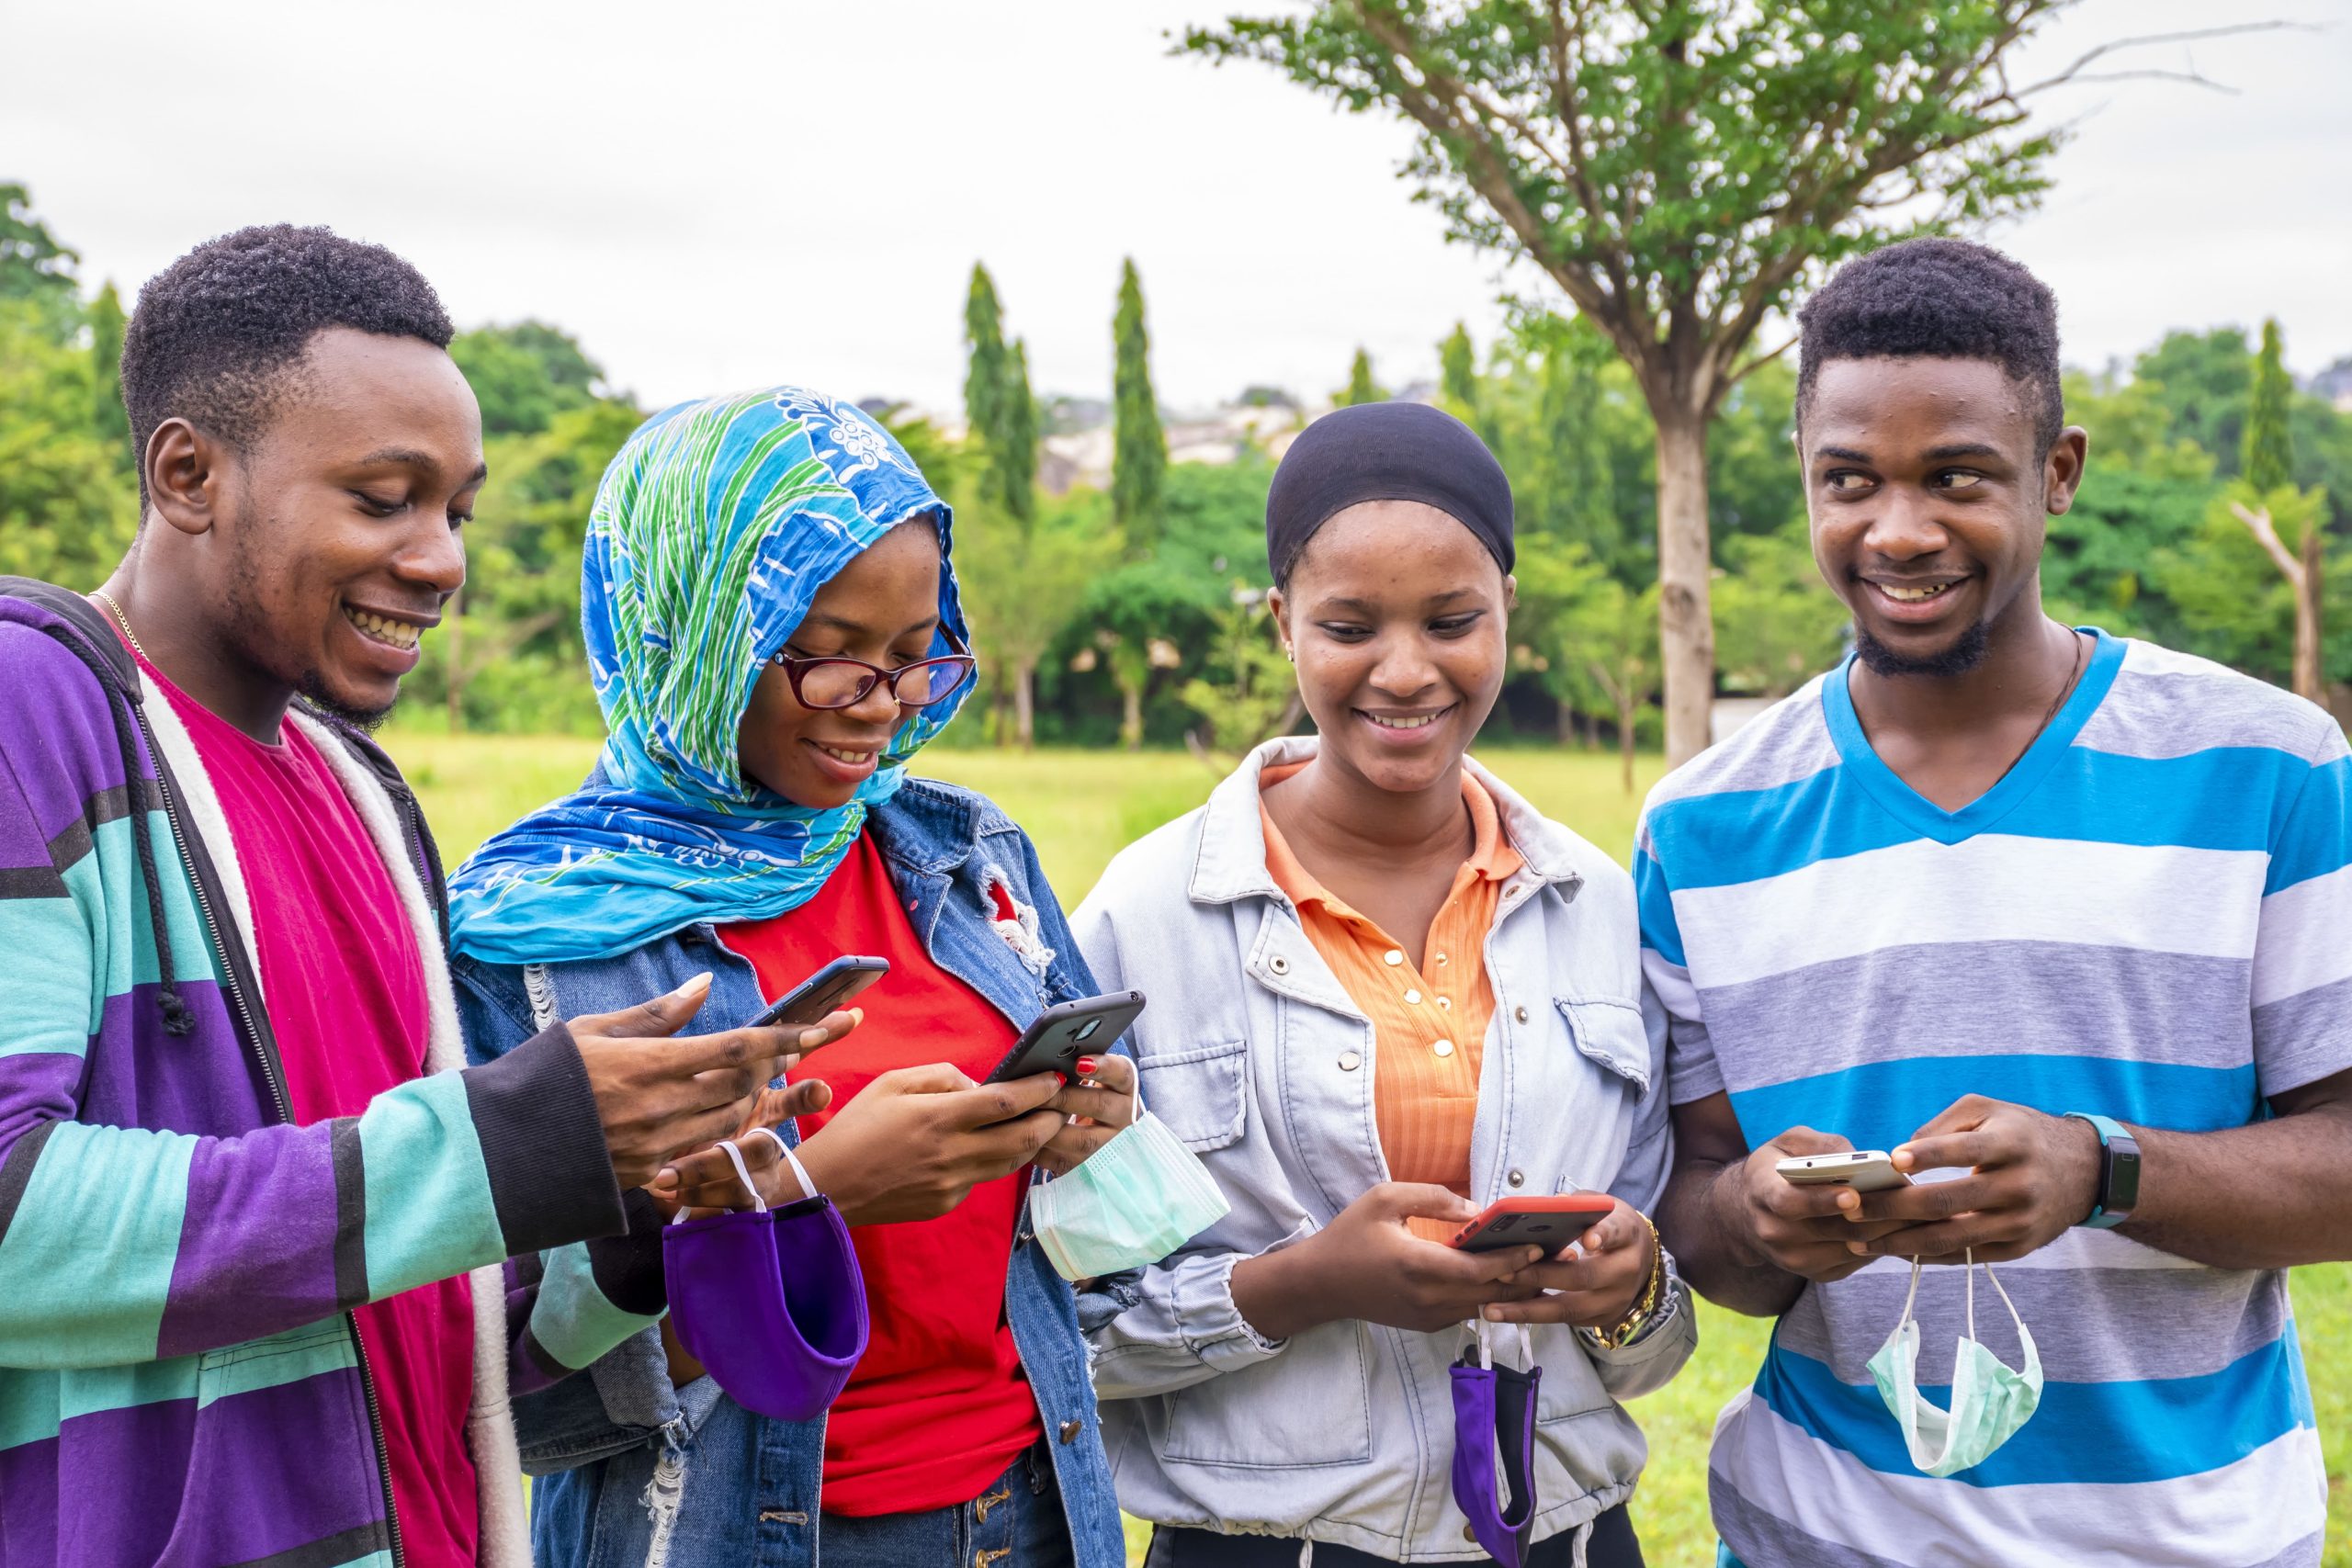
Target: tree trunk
{"x":2309,"y":680}
{"x":1024,"y":702}
{"x":1567,"y":722}
{"x":453,"y":647}
{"x":1626,"y":708}
{"x":1131,"y":718}
{"x":1686,"y":627}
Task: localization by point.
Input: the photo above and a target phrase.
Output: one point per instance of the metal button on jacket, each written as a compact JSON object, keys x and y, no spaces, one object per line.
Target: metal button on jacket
{"x":1070,"y":1429}
{"x":1350,"y":1061}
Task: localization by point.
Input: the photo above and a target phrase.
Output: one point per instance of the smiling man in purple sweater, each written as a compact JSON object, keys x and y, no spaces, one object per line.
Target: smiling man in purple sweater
{"x":253,"y":1208}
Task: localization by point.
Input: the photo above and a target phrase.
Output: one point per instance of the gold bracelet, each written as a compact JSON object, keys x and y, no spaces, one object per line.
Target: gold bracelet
{"x":1633,"y":1323}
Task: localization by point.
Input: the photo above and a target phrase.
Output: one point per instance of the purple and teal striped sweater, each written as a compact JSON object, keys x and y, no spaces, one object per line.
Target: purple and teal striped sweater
{"x":179,"y":1380}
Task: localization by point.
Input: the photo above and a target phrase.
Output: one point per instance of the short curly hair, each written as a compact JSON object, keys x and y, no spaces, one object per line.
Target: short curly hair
{"x":1942,"y":299}
{"x":216,"y":335}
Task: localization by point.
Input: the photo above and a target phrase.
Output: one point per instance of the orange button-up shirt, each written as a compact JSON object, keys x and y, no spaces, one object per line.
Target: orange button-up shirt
{"x":1429,"y":1027}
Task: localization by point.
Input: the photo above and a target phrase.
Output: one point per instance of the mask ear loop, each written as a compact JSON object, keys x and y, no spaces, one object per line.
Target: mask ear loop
{"x":1968,"y":1255}
{"x":742,"y":1174}
{"x":799,"y":1171}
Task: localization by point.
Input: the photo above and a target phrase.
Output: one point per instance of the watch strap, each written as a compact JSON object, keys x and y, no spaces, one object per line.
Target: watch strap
{"x":2110,"y":1132}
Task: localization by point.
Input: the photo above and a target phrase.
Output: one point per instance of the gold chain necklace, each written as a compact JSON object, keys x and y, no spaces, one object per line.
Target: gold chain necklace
{"x":103,"y":597}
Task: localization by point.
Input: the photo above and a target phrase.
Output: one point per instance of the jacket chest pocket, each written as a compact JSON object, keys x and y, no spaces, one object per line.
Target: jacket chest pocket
{"x":1199,"y":1093}
{"x":1612,"y":1061}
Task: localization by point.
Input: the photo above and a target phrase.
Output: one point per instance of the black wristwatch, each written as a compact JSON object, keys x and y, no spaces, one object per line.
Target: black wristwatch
{"x":2119,"y":1171}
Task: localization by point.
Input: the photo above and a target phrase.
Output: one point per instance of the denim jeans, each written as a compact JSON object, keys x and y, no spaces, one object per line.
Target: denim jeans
{"x":1016,"y":1523}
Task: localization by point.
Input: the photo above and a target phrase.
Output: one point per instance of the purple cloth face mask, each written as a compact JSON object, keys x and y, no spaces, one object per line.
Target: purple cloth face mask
{"x":770,"y":1301}
{"x":1494,"y":1408}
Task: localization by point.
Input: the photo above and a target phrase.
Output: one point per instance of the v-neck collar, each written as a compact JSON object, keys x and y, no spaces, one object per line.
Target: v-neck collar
{"x":1978,"y":815}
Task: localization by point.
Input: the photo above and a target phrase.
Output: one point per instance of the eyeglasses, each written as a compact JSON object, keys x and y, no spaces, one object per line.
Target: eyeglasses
{"x":837,"y":683}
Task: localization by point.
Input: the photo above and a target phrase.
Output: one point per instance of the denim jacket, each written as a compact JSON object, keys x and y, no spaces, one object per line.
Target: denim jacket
{"x":1255,"y":1055}
{"x":633,"y":1471}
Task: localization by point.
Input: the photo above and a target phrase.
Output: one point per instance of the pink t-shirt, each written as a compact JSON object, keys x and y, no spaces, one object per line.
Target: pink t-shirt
{"x":345,"y":986}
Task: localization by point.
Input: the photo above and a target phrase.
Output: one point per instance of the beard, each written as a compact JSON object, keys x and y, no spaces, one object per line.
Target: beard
{"x":248,"y":630}
{"x":1965,"y":654}
{"x":313,"y":689}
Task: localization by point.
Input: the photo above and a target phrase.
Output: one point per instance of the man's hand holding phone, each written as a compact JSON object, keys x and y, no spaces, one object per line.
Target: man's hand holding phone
{"x":658,"y":1095}
{"x":911,"y":1145}
{"x":1802,"y":1230}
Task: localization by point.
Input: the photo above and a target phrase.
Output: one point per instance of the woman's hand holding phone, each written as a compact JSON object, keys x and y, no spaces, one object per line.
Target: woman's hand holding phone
{"x":1367,"y":1264}
{"x":1594,"y":1291}
{"x":911,"y":1145}
{"x":1096,"y":1106}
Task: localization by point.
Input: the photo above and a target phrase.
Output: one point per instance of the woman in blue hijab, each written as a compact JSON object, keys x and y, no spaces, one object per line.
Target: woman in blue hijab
{"x":773,"y":630}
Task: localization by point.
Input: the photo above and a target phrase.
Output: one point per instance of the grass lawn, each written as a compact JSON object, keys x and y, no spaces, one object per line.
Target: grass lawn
{"x":1081,"y":805}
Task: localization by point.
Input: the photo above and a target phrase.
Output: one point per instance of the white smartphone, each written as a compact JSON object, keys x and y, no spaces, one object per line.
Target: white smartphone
{"x":1864,"y":1170}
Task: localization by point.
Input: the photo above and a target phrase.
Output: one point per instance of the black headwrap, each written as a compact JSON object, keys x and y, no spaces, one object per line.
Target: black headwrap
{"x":1385,"y":452}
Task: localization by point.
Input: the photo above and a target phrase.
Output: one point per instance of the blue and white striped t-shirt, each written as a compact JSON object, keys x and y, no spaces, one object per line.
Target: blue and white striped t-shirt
{"x":2149,"y":916}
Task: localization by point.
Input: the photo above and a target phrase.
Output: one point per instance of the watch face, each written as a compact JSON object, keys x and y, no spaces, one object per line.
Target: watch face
{"x":2122,"y":1175}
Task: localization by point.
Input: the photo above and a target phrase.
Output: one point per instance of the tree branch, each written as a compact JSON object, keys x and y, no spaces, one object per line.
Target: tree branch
{"x":2075,"y":73}
{"x":2257,"y":520}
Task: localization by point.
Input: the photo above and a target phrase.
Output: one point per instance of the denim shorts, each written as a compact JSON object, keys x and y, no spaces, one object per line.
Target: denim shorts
{"x":1016,"y":1523}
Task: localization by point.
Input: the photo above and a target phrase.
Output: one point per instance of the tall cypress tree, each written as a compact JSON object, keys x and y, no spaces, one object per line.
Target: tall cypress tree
{"x":1458,"y":373}
{"x":1015,"y":449}
{"x":998,"y":414}
{"x":1139,"y":449}
{"x":1362,"y":388}
{"x":2270,"y":454}
{"x":105,"y":361}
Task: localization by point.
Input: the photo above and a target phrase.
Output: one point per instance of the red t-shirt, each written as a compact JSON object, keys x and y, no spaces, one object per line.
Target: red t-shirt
{"x":345,"y":986}
{"x":938,"y":1405}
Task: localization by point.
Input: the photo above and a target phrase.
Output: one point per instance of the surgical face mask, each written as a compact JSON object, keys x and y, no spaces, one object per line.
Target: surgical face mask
{"x":1989,"y":1401}
{"x":770,"y":1301}
{"x":1135,"y":1201}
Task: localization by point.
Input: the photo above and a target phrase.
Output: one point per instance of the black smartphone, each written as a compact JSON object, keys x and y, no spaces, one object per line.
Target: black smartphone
{"x":1067,"y":1031}
{"x":827,"y":990}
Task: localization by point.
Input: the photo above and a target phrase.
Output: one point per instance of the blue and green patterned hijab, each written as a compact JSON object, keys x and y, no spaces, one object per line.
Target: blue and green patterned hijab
{"x":713,"y":530}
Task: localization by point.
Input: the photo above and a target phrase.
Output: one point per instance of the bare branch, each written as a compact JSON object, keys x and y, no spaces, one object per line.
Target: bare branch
{"x":2257,"y":521}
{"x":1757,"y":362}
{"x":2075,"y":73}
{"x":2191,"y":77}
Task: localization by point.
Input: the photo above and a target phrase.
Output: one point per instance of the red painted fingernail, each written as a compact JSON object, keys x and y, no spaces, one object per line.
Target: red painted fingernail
{"x":1085,"y":1065}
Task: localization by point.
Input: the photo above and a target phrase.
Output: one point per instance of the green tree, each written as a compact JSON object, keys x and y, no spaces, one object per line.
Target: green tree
{"x":1023,"y":586}
{"x":1457,"y":363}
{"x":108,"y":417}
{"x":1139,"y":451}
{"x":2267,"y":497}
{"x":2203,"y":380}
{"x":1777,"y":624}
{"x":34,"y":267}
{"x":1361,"y":387}
{"x":2270,"y":455}
{"x":1679,"y":170}
{"x":997,"y":403}
{"x":525,"y":375}
{"x":509,"y":655}
{"x":1246,"y":691}
{"x":68,"y":510}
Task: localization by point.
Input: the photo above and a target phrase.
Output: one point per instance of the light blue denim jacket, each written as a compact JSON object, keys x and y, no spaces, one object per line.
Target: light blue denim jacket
{"x":1252,"y":1052}
{"x":633,"y":1471}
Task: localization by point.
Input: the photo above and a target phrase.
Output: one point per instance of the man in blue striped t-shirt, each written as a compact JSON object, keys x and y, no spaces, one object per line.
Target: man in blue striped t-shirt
{"x":2063,"y":917}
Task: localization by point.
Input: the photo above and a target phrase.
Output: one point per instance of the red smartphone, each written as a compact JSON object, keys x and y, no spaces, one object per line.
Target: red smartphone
{"x":1548,"y":1223}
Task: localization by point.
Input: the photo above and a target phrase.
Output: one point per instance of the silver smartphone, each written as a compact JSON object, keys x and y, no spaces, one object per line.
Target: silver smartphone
{"x":1864,"y":1170}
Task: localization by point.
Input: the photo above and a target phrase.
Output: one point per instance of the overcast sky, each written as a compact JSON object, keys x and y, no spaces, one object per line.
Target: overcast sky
{"x":720,"y":195}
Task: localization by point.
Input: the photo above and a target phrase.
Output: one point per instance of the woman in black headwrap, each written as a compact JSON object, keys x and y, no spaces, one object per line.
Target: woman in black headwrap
{"x":1385,"y":993}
